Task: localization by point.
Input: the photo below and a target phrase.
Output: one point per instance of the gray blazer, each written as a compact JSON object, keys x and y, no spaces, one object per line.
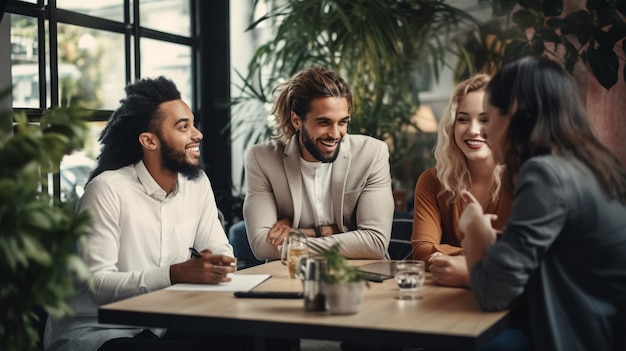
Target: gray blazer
{"x":361,"y":194}
{"x":562,"y":257}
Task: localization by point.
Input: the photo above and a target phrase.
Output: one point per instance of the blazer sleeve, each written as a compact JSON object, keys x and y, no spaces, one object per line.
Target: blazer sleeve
{"x":260,"y":209}
{"x":539,"y":214}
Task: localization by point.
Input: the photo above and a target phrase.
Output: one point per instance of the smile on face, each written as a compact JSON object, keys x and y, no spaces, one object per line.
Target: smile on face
{"x":496,"y":131}
{"x":469,"y":127}
{"x":323,"y":128}
{"x":179,"y":132}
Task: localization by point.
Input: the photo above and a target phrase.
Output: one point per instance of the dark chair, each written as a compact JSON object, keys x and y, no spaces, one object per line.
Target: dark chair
{"x":238,"y":238}
{"x":40,"y":324}
{"x":400,"y":244}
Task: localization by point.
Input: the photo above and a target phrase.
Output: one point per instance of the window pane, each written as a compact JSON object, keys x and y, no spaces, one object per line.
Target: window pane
{"x":108,"y":9}
{"x":170,"y":60}
{"x":24,"y":61}
{"x":92,"y":146}
{"x":91,"y":66}
{"x":170,"y":16}
{"x":75,"y":170}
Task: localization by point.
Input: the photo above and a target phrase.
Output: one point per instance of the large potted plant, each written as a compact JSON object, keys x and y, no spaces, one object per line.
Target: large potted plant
{"x":385,"y":49}
{"x":38,"y":265}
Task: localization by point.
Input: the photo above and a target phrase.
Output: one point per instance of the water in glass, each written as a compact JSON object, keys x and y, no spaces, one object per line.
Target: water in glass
{"x":410,"y":278}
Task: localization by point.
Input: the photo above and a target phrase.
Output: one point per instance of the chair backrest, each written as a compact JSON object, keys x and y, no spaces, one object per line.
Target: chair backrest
{"x":400,"y":244}
{"x":238,"y":238}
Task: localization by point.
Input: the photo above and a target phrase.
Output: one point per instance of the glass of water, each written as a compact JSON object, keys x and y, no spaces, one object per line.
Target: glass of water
{"x":409,"y":276}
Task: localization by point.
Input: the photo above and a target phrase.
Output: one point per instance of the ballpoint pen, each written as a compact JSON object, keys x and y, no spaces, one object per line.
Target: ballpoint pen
{"x":194,"y":253}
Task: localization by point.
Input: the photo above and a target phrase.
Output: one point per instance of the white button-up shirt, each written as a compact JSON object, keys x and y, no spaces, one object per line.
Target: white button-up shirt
{"x":317,"y":204}
{"x":137,"y":233}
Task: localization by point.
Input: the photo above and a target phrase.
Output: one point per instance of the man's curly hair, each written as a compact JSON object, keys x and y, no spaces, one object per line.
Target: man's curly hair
{"x":138,"y":113}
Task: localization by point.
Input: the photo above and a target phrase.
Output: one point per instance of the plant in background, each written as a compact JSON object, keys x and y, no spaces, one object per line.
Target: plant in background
{"x":384,"y":49}
{"x":591,"y":36}
{"x":38,"y":264}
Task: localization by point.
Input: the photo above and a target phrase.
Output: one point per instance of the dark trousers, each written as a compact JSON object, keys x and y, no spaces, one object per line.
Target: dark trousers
{"x":174,"y":340}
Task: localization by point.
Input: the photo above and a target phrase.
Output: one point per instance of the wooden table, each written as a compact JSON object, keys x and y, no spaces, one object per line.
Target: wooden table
{"x":443,"y":318}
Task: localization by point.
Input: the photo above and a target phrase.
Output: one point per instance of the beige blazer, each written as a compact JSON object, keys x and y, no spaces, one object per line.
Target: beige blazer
{"x":361,"y":194}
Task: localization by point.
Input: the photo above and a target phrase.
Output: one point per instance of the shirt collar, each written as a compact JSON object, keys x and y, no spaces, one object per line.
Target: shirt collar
{"x":150,"y":185}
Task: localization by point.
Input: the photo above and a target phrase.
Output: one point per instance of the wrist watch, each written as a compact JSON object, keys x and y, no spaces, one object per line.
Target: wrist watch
{"x":318,"y":231}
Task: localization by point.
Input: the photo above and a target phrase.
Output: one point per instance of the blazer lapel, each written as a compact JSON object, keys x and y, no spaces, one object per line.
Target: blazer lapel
{"x":291,"y":162}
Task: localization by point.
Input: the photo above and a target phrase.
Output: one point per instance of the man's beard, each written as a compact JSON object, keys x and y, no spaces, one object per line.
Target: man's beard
{"x":309,"y":144}
{"x":175,"y":161}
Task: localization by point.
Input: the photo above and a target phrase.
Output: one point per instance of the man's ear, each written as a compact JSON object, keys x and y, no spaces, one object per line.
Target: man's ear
{"x":296,"y":122}
{"x":149,"y":141}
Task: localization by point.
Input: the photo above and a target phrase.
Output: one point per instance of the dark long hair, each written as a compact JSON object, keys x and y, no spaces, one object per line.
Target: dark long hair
{"x":296,"y":95}
{"x":548,"y":118}
{"x":138,"y":113}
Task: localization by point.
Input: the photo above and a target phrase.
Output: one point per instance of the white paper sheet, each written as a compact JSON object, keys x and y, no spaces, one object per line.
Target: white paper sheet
{"x":239,"y":282}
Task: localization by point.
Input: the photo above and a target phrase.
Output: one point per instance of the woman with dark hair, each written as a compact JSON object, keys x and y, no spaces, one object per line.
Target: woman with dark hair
{"x":561,"y":258}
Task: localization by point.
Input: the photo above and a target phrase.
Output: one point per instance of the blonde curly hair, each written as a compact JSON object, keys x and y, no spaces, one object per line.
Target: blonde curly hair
{"x":451,"y":164}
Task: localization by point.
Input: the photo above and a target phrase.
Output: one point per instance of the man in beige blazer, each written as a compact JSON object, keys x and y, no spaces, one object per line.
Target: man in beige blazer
{"x":334,"y":187}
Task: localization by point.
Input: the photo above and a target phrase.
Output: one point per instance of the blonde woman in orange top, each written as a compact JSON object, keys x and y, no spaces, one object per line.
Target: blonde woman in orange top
{"x":463,"y":162}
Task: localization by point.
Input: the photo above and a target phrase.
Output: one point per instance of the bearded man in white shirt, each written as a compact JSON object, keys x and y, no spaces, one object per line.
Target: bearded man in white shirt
{"x":150,"y":204}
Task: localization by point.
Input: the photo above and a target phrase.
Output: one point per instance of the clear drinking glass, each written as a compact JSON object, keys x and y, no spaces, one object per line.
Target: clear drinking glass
{"x":293,"y":248}
{"x":409,"y":275}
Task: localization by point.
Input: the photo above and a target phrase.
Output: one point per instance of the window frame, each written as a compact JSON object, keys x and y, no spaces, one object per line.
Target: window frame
{"x":133,"y":34}
{"x":130,"y":28}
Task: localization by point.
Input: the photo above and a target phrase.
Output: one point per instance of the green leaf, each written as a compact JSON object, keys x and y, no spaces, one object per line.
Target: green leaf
{"x":555,"y":23}
{"x":524,"y":19}
{"x":35,"y":251}
{"x":58,"y":310}
{"x":77,"y":265}
{"x":546,"y":35}
{"x":516,"y":49}
{"x":620,"y":5}
{"x":618,"y":29}
{"x":604,"y":39}
{"x":603,"y":11}
{"x":571,"y":56}
{"x":578,"y":23}
{"x":552,"y":7}
{"x":604,"y":64}
{"x":339,"y":270}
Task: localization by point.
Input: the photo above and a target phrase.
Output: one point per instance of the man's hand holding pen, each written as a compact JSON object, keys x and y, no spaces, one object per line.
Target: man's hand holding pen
{"x":203,"y":268}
